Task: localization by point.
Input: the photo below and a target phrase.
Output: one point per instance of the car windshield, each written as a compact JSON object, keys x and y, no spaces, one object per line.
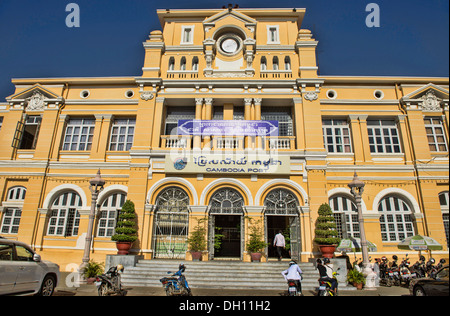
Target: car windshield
{"x":443,"y":274}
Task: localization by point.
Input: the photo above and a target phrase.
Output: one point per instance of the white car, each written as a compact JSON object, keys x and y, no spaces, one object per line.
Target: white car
{"x":23,"y":273}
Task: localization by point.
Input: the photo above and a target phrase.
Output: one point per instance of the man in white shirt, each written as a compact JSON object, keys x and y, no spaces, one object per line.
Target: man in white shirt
{"x":279,"y":242}
{"x":294,"y":273}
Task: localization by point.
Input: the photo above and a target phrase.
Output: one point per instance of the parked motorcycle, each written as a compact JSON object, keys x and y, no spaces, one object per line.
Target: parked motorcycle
{"x":109,"y":284}
{"x":176,"y":285}
{"x":406,"y":273}
{"x":293,"y":289}
{"x":386,"y":276}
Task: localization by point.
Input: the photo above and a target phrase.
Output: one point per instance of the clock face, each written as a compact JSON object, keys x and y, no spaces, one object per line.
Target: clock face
{"x":230,"y":45}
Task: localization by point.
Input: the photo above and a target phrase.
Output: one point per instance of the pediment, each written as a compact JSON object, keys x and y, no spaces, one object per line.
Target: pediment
{"x":243,"y":18}
{"x":34,"y":98}
{"x":429,"y":98}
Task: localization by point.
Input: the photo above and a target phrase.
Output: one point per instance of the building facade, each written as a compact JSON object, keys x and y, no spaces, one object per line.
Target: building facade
{"x":230,"y":121}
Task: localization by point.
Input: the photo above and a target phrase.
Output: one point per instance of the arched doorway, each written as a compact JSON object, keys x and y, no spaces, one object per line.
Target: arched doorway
{"x":226,"y":218}
{"x":281,"y":210}
{"x":171,"y":224}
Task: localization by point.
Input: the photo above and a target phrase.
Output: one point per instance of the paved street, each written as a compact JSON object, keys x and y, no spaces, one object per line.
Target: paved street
{"x":91,"y":290}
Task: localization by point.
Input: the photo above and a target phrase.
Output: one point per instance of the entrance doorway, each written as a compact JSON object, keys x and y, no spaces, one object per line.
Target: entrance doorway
{"x":228,"y":236}
{"x":226,"y":215}
{"x":288,"y":225}
{"x":282,"y":213}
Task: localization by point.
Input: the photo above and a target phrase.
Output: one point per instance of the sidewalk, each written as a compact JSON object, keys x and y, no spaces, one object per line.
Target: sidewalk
{"x":91,"y":290}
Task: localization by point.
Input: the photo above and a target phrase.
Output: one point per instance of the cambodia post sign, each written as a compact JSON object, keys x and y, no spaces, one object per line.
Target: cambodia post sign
{"x":228,"y":128}
{"x":223,"y":164}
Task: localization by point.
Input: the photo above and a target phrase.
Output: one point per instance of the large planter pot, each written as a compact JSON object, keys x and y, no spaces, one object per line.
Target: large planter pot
{"x":256,"y":256}
{"x":196,"y":255}
{"x":123,"y":247}
{"x":327,"y":250}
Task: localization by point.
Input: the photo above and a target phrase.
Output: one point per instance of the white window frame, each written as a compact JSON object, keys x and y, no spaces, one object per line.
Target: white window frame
{"x":122,"y":135}
{"x":184,"y":33}
{"x":396,"y":219}
{"x":339,"y":133}
{"x":76,"y":132}
{"x":60,"y":223}
{"x":378,"y":143}
{"x":1,"y":122}
{"x":108,"y":214}
{"x":13,"y":210}
{"x":445,"y":212}
{"x":435,"y":123}
{"x":343,"y":206}
{"x":273,"y":30}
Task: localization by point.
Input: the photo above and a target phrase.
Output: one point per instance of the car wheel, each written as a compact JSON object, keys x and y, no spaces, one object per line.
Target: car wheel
{"x":419,"y":291}
{"x":48,"y":286}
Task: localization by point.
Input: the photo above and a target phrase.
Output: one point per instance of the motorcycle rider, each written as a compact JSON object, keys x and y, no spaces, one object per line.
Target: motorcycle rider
{"x":294,"y":273}
{"x":326,"y":272}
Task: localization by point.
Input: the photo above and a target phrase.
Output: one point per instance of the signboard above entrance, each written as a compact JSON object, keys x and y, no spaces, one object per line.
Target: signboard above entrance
{"x":228,"y":164}
{"x":227,"y":128}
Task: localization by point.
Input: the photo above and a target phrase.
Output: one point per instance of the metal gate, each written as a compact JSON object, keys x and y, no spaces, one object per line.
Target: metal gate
{"x":171,"y":233}
{"x":171,"y":224}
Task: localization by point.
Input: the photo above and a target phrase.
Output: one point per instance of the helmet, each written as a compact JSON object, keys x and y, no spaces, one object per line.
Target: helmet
{"x":422,"y":258}
{"x":181,"y":267}
{"x":292,"y":262}
{"x":432,"y":260}
{"x":326,"y":260}
{"x":120,"y":268}
{"x":394,"y":257}
{"x":384,"y":258}
{"x":442,"y":261}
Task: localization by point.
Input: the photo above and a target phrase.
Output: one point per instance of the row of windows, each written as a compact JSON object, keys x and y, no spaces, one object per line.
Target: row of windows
{"x":396,"y":220}
{"x":383,"y":136}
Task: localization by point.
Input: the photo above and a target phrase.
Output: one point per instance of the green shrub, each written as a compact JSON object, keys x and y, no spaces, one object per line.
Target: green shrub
{"x":326,"y":233}
{"x":125,"y":227}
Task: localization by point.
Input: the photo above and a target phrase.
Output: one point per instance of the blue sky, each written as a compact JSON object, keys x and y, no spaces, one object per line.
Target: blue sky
{"x":413,"y":39}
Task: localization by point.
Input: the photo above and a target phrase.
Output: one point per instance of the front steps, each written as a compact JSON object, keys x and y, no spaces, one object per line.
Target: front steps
{"x":219,"y":274}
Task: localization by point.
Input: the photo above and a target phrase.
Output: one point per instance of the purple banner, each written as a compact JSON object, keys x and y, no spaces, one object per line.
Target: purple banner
{"x":228,"y":128}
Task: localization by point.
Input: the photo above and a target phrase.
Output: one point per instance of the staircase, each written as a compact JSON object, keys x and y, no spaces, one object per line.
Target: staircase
{"x":220,"y":274}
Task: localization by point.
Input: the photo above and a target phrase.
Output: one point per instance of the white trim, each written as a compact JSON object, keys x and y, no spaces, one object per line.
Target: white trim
{"x":61,"y":188}
{"x":183,"y":31}
{"x":107,"y":191}
{"x":277,"y":34}
{"x":287,"y":182}
{"x":226,"y":181}
{"x":346,"y":192}
{"x":180,"y":180}
{"x":410,"y":198}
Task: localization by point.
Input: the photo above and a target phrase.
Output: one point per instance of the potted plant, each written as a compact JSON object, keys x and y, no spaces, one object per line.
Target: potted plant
{"x":125,"y":234}
{"x":356,"y":278}
{"x":197,"y":240}
{"x":326,"y":233}
{"x":256,"y":243}
{"x":92,"y":270}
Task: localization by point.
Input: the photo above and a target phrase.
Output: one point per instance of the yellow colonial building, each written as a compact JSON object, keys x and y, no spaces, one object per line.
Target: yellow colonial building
{"x":229,"y":121}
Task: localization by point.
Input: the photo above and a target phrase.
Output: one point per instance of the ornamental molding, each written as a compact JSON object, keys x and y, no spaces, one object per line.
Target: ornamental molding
{"x":311,"y":96}
{"x":147,"y":95}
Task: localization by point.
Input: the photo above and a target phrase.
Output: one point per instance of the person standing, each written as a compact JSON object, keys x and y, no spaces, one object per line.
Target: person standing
{"x":280,"y":243}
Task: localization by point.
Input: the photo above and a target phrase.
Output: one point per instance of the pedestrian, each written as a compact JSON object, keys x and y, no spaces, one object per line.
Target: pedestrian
{"x":280,"y":243}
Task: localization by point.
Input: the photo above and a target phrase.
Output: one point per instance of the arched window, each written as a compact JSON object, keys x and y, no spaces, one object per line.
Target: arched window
{"x":64,"y":216}
{"x":287,"y":63}
{"x":346,"y":216}
{"x":13,"y":213}
{"x":281,"y":202}
{"x":263,"y":63}
{"x":109,"y":212}
{"x":226,"y":201}
{"x":444,"y":201}
{"x":275,"y":63}
{"x":183,"y":64}
{"x":195,"y":63}
{"x":396,"y":221}
{"x":172,"y":63}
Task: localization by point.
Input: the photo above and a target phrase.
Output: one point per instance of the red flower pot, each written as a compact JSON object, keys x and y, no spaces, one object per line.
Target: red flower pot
{"x":123,"y":248}
{"x":256,"y":256}
{"x":327,"y":250}
{"x":196,"y":255}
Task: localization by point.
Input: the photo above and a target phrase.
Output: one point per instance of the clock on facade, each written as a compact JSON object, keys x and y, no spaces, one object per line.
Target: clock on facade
{"x":229,"y":44}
